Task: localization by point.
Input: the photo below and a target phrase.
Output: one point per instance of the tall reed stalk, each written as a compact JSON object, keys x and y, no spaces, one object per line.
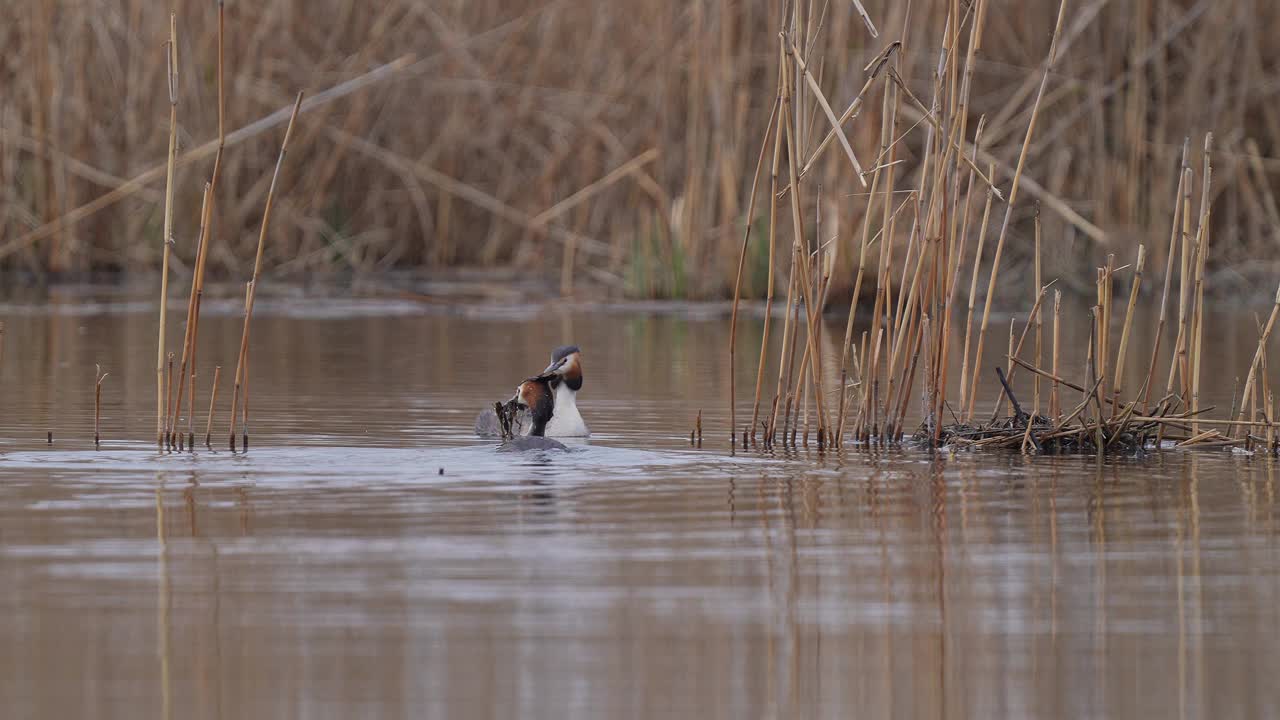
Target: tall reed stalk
{"x":243,"y":356}
{"x":190,"y":340}
{"x":171,"y":74}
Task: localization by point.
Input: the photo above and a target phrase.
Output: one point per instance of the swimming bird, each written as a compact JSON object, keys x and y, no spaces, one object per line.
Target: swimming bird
{"x":535,"y":396}
{"x":564,"y":378}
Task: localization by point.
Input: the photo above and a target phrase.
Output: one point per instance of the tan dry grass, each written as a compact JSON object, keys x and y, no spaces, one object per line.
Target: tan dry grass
{"x":506,"y":108}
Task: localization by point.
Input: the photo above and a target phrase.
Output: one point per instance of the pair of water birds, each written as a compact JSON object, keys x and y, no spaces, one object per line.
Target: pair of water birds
{"x":550,"y":400}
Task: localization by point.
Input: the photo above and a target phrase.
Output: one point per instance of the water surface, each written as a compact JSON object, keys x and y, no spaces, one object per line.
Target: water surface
{"x":370,"y":558}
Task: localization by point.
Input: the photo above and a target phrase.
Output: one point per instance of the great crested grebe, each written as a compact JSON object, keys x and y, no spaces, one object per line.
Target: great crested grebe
{"x":563,"y":378}
{"x":534,"y":395}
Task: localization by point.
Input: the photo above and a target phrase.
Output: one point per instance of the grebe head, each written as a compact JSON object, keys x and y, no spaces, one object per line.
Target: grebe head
{"x":566,"y":366}
{"x":535,"y":395}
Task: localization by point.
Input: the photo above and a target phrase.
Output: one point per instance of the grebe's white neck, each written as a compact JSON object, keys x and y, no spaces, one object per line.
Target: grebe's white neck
{"x":566,"y":421}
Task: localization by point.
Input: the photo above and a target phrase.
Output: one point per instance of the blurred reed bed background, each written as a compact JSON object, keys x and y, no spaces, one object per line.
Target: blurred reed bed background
{"x":609,"y":144}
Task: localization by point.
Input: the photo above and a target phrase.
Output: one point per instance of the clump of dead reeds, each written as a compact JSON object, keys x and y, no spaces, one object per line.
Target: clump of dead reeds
{"x":904,"y":354}
{"x":176,"y":385}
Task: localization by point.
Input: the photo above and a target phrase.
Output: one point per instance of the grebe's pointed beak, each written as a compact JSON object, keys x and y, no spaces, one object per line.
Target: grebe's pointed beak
{"x":555,"y":368}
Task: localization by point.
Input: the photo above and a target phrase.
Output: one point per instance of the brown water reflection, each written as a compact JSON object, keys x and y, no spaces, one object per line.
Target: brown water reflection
{"x":332,"y":572}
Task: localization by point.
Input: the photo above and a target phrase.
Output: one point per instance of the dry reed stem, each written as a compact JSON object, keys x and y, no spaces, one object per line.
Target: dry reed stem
{"x":1178,"y":363}
{"x":97,"y":404}
{"x":866,"y":19}
{"x":1013,"y":191}
{"x":768,"y":305}
{"x":1106,"y":276}
{"x":1013,"y":352}
{"x":1117,"y":389}
{"x":773,"y":227}
{"x":826,"y":108}
{"x":1202,"y":253}
{"x":176,"y":411}
{"x":966,"y":384}
{"x":1035,"y":404}
{"x":168,"y":391}
{"x":206,"y":234}
{"x":1055,"y":405}
{"x":787,"y":348}
{"x":1168,"y":279}
{"x":737,"y":285}
{"x":171,"y":60}
{"x":812,"y":311}
{"x":953,"y":145}
{"x":240,"y":378}
{"x":213,"y":399}
{"x":1260,"y":353}
{"x":850,"y":113}
{"x":857,"y":282}
{"x":959,"y":260}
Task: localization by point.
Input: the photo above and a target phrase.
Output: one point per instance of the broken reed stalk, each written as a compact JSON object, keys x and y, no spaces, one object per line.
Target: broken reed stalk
{"x":737,"y":287}
{"x":171,"y":63}
{"x":97,"y":404}
{"x":213,"y":400}
{"x":242,"y":358}
{"x":1013,"y":196}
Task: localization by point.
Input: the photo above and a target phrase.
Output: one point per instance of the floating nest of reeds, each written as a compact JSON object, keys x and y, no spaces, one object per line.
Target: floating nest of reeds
{"x":1124,"y":430}
{"x":1045,"y":437}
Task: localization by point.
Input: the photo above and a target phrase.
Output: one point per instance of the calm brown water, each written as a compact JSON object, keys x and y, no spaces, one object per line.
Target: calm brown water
{"x":333,"y":572}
